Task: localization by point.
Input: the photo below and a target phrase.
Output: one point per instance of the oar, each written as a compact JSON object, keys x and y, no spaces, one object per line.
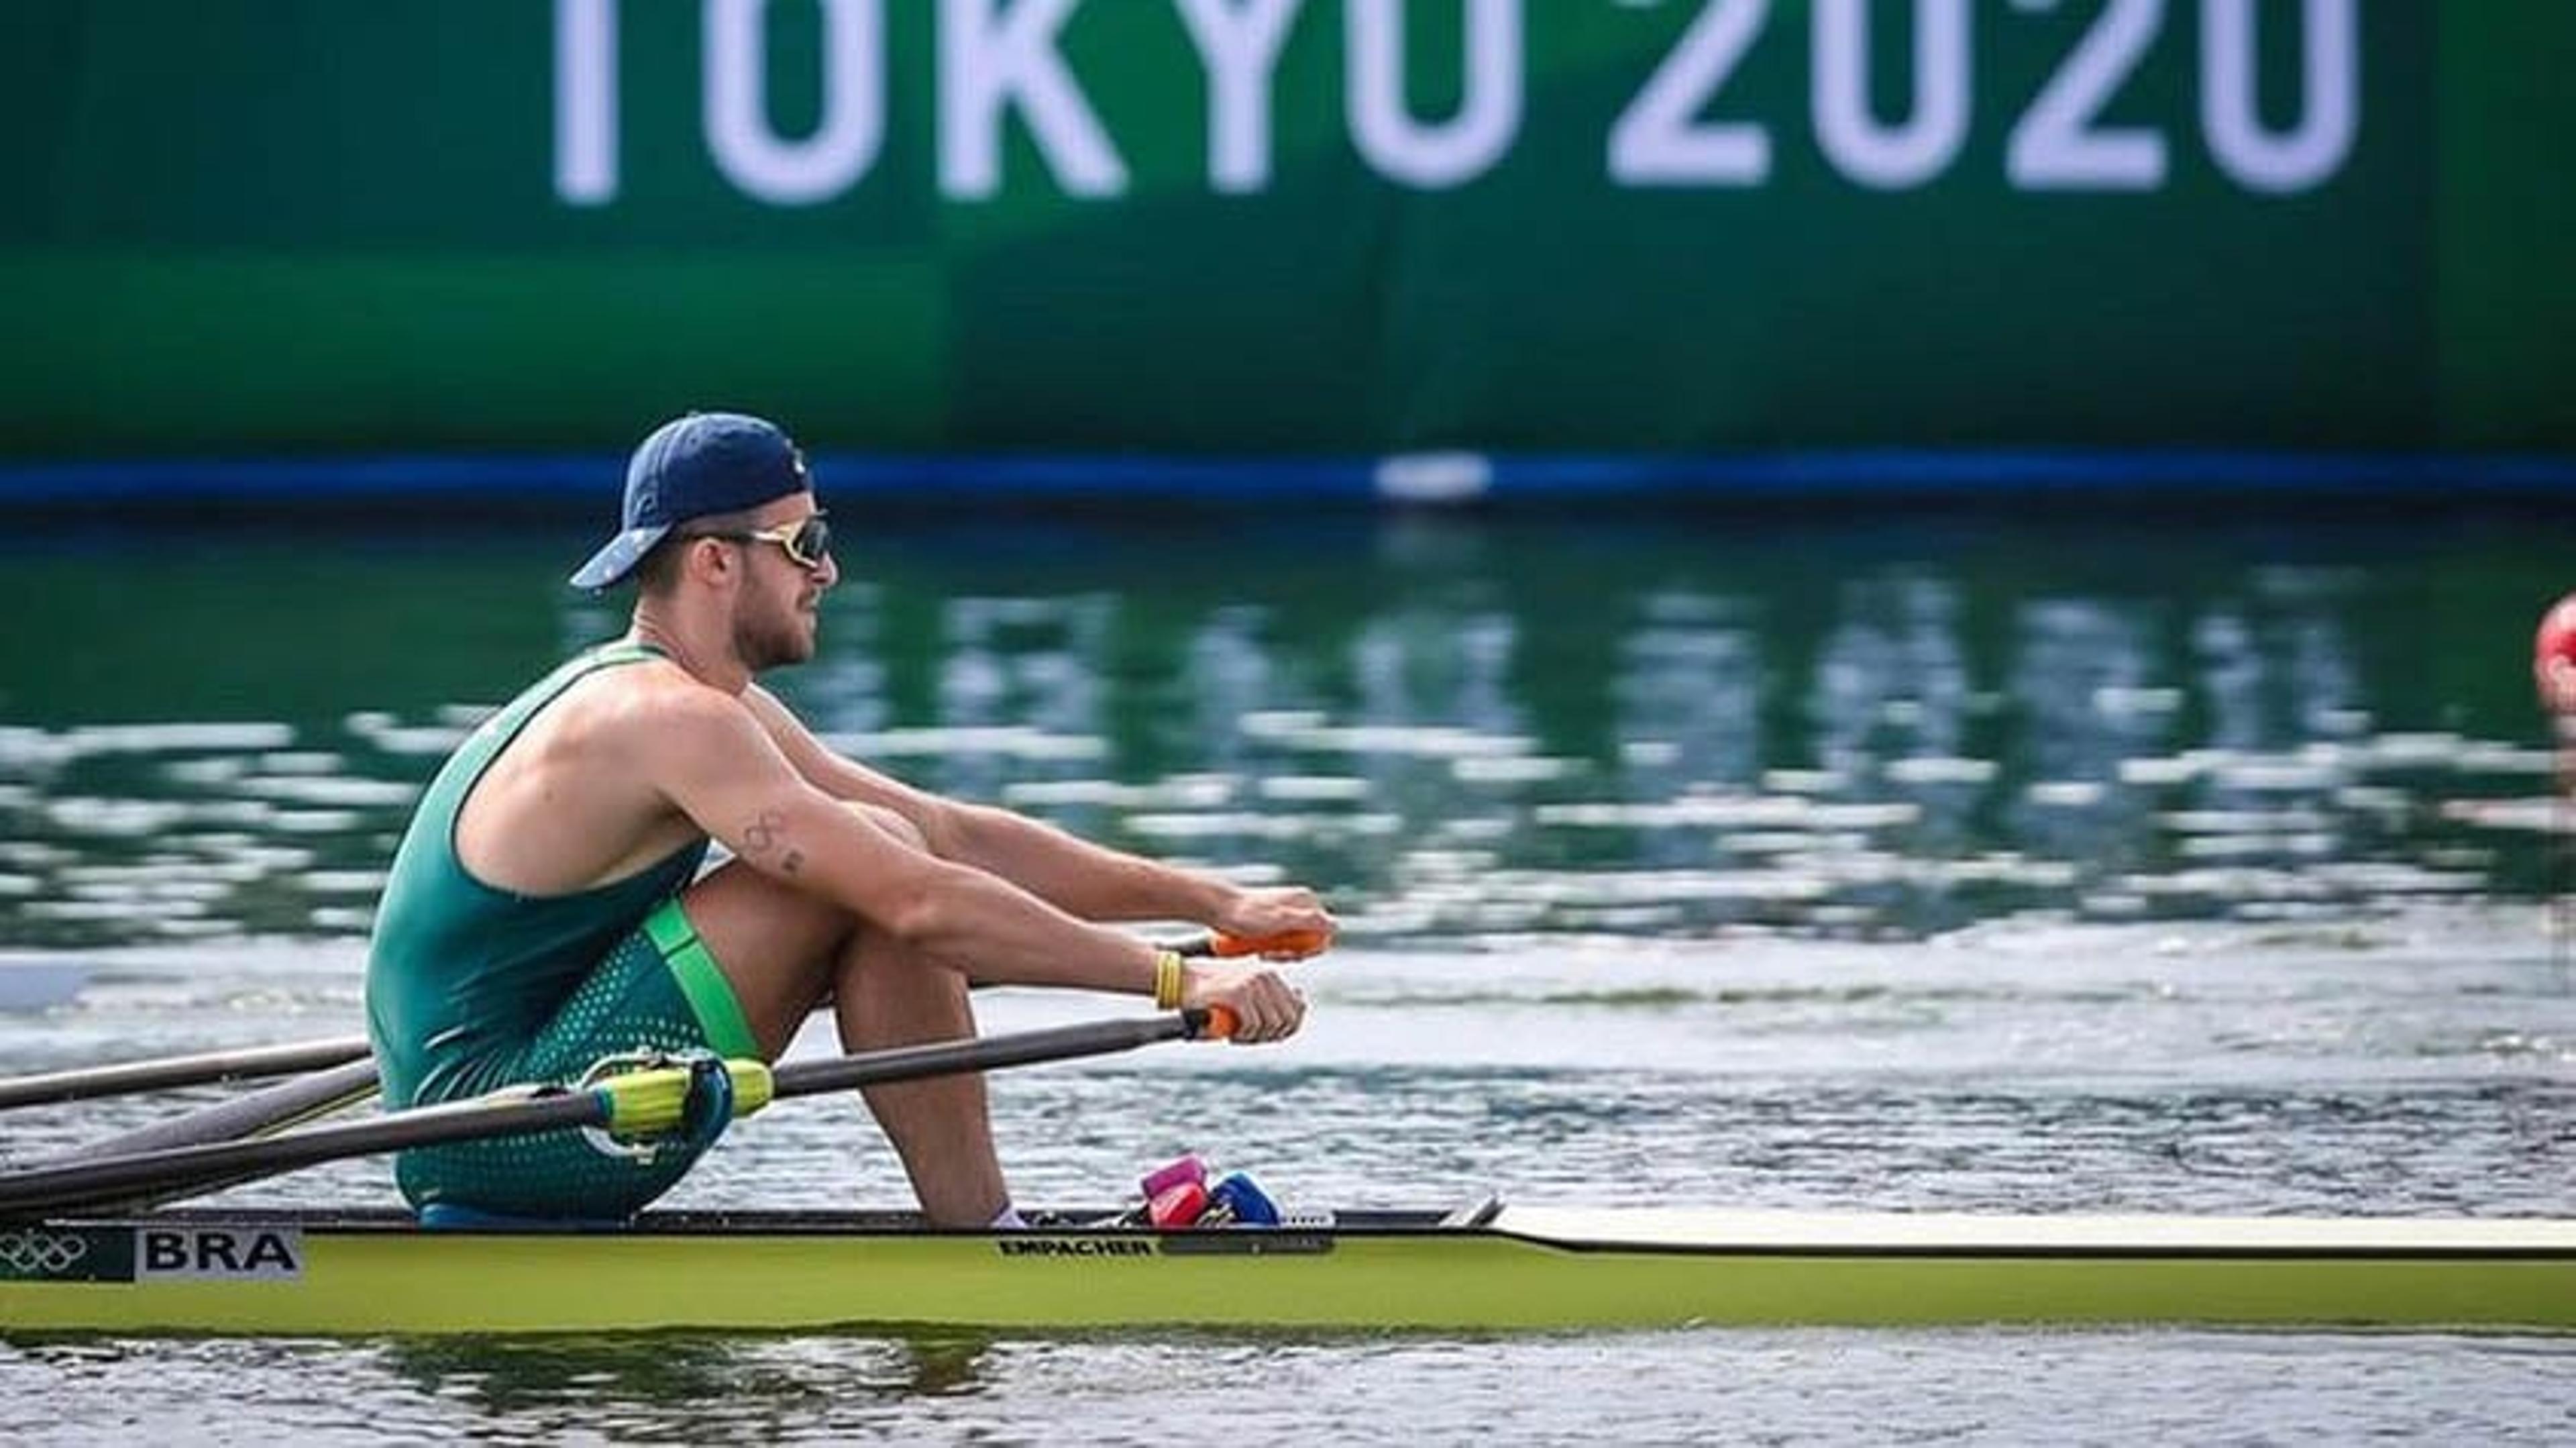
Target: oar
{"x":254,"y":1113}
{"x":258,"y":1113}
{"x":168,"y":1073}
{"x":639,"y":1104}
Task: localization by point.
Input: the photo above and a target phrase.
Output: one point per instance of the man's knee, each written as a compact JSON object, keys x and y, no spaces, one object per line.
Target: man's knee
{"x":745,"y":916}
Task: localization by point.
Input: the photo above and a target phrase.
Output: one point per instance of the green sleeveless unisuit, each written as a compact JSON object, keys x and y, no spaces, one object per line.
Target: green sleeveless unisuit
{"x":471,"y":988}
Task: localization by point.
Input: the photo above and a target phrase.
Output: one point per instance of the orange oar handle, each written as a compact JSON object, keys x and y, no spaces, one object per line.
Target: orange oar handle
{"x":1214,"y":1023}
{"x":1230,"y":947}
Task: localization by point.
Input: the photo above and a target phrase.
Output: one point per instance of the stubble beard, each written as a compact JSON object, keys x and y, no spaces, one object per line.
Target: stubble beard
{"x":764,"y":644}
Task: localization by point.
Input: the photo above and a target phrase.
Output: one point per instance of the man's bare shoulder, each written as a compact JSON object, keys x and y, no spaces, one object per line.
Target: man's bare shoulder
{"x":656,"y":708}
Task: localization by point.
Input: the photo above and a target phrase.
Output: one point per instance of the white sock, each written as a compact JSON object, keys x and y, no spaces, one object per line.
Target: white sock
{"x":1009,"y":1220}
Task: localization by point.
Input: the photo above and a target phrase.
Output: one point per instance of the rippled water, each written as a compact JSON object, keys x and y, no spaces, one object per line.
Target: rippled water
{"x":1462,"y":728}
{"x":1756,"y":1387}
{"x":2029,"y":865}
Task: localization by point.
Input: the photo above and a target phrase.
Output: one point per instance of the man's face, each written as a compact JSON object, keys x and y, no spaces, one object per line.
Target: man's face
{"x":777,"y":615}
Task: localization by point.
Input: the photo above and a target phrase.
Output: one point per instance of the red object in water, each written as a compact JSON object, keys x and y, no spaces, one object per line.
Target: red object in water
{"x":2553,"y":657}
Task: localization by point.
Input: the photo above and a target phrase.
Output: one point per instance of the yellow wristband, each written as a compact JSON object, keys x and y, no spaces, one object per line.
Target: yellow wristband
{"x":1167,"y":979}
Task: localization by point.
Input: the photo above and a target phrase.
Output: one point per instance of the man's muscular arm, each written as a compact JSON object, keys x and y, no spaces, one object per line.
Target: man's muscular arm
{"x":719,"y":766}
{"x":1073,"y":874}
{"x":715,"y":763}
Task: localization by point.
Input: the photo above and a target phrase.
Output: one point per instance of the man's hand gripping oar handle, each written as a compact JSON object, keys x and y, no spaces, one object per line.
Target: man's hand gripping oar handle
{"x":1217,"y":1023}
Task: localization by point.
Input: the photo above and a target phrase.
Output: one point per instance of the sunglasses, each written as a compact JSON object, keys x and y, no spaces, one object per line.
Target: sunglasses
{"x":806,"y":544}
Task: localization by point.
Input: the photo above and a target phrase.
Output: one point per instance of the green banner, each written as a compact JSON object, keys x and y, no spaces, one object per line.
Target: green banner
{"x":1287,"y":227}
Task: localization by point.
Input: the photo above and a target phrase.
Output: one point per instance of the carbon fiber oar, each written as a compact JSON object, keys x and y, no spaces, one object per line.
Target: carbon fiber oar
{"x":639,"y":1104}
{"x":256,"y":1113}
{"x":171,"y":1072}
{"x":167,"y":1073}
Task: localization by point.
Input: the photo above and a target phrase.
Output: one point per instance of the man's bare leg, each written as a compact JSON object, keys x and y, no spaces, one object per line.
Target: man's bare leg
{"x":783,"y":951}
{"x":940,"y":1126}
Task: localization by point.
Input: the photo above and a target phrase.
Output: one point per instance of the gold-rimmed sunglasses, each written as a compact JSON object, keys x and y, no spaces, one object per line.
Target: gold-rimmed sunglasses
{"x":805,"y":543}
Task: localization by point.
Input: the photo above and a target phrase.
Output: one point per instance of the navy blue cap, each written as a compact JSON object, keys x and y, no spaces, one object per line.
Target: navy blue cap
{"x":693,"y":467}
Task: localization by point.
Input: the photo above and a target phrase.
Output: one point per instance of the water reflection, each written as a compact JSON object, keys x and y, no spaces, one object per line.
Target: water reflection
{"x":687,"y":1388}
{"x":1458,"y":725}
{"x":1809,"y":1385}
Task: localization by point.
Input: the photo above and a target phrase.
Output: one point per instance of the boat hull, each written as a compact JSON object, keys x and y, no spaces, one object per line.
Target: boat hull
{"x":276,"y":1273}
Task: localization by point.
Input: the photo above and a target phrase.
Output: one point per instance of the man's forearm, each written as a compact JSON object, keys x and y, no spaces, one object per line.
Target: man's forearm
{"x":1075,"y":875}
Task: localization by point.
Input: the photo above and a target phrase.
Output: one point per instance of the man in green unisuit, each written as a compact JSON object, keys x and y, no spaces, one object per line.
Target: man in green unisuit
{"x":547,"y":908}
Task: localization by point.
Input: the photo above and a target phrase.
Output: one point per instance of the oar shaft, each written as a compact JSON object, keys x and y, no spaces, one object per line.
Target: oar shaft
{"x":210,"y":1164}
{"x":170,"y":1072}
{"x":275,"y":1108}
{"x":989,"y":1053}
{"x":181,"y":1170}
{"x":259,"y":1062}
{"x":256,"y":1113}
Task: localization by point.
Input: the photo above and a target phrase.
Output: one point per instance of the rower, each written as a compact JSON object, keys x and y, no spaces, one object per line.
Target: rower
{"x":548,"y":909}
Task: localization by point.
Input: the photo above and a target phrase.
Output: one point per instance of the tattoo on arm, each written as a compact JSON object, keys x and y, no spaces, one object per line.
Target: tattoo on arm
{"x":768,"y":831}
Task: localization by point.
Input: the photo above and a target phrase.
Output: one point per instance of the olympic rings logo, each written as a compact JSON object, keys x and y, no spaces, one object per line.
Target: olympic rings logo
{"x":40,"y":1254}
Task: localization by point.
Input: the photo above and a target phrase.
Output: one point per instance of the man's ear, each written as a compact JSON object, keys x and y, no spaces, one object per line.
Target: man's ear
{"x":707,"y":558}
